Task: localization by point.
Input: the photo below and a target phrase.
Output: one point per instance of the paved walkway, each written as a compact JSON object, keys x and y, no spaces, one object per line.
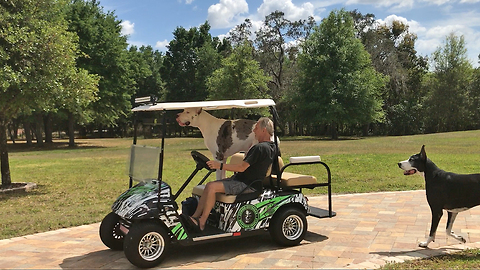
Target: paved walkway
{"x":368,"y":231}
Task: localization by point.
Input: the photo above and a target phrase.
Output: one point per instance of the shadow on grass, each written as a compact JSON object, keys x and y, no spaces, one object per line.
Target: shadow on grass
{"x":23,"y":147}
{"x":20,"y":194}
{"x":319,"y":138}
{"x":212,"y":252}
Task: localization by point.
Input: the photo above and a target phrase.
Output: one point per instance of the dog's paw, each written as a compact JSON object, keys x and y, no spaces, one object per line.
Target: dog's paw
{"x":423,"y":244}
{"x":458,"y":237}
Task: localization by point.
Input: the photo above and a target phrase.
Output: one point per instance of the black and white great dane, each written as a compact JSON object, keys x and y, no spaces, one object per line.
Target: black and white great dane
{"x":445,"y":190}
{"x":222,"y":137}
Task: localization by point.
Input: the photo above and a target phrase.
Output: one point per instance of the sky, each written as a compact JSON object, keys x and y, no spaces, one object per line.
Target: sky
{"x":152,"y":22}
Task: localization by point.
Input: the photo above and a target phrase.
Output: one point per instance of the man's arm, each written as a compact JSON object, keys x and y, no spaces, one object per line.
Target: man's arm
{"x":213,"y":164}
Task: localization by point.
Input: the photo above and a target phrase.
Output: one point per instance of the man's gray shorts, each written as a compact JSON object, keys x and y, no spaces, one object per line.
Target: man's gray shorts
{"x":233,"y":187}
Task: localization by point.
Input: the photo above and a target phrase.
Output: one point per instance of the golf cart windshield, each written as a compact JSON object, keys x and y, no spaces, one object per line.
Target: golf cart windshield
{"x":143,"y":162}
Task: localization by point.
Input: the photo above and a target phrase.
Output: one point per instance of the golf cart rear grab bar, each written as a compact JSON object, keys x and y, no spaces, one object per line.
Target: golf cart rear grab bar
{"x":305,"y":159}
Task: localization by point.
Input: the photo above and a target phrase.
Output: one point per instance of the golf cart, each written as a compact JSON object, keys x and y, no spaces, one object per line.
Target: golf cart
{"x":145,"y":220}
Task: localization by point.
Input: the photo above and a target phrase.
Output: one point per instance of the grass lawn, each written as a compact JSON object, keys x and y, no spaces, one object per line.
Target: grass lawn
{"x":78,"y":185}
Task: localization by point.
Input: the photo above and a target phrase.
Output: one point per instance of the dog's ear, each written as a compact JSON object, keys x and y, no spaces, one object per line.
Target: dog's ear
{"x":423,"y":154}
{"x":199,"y":110}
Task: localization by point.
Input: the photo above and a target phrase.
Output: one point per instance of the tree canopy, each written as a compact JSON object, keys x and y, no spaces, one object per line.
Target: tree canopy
{"x":337,"y":83}
{"x":38,"y":64}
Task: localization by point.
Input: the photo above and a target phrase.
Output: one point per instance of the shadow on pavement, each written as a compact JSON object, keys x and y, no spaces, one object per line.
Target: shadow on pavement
{"x":425,"y":251}
{"x":187,"y":255}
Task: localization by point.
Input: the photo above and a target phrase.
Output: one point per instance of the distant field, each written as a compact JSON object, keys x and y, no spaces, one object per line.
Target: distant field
{"x":77,"y":186}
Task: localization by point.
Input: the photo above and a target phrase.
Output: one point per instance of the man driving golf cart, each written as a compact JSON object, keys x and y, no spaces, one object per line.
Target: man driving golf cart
{"x":254,"y":167}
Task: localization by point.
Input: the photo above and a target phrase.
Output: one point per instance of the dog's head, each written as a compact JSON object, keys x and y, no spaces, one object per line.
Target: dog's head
{"x":188,"y":117}
{"x":415,"y":163}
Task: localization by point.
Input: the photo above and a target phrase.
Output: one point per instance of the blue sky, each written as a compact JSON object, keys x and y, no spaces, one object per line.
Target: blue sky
{"x":151,"y":22}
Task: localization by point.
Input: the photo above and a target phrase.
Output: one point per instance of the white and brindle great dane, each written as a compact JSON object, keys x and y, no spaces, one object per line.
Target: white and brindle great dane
{"x":222,"y":137}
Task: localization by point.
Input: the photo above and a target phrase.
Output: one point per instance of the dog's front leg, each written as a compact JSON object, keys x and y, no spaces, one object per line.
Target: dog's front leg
{"x":436,"y":216}
{"x":451,"y":219}
{"x":221,"y":174}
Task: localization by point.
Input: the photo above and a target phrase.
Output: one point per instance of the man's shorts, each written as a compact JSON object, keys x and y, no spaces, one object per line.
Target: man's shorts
{"x":233,"y":187}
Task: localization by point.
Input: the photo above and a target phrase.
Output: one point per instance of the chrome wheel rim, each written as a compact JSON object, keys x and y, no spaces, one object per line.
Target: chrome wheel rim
{"x":151,"y":246}
{"x":292,"y":227}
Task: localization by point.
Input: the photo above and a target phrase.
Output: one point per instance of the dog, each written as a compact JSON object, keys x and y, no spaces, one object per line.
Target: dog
{"x":445,"y":190}
{"x":222,"y":137}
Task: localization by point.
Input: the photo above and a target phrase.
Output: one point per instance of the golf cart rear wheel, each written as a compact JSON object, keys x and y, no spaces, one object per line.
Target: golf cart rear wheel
{"x":288,"y":226}
{"x":110,"y":233}
{"x":146,"y":245}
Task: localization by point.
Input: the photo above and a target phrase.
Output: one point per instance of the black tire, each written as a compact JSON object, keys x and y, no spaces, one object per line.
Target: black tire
{"x":288,"y":226}
{"x":146,"y":244}
{"x":110,"y":232}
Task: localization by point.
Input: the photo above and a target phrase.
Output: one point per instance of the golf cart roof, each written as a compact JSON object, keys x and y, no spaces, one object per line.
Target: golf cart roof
{"x":207,"y":105}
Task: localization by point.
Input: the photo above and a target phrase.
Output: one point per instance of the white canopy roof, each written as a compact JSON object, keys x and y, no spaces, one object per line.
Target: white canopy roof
{"x":207,"y":105}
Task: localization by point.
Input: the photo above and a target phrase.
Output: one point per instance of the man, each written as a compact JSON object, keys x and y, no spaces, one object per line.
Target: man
{"x":254,"y":167}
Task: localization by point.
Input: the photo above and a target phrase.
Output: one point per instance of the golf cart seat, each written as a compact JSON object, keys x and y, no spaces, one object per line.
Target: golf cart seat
{"x":288,"y":179}
{"x":294,"y":180}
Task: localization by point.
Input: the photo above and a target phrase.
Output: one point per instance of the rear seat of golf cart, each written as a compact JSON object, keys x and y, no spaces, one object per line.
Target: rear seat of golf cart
{"x":288,"y":180}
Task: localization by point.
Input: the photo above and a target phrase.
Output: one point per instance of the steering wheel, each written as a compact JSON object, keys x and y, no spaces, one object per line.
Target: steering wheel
{"x":201,"y":160}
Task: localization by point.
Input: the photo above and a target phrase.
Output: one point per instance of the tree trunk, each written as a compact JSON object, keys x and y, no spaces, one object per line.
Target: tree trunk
{"x":28,"y":132}
{"x":365,"y":129}
{"x":71,"y":129}
{"x":12,"y":130}
{"x":334,"y":127}
{"x":38,"y":129}
{"x":5,"y":166}
{"x":48,"y":128}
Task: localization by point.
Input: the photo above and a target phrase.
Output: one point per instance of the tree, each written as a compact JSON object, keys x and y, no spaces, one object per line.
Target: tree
{"x":447,"y":103}
{"x":145,"y":67}
{"x":474,"y":99}
{"x":105,"y":53}
{"x":38,"y":64}
{"x":239,"y":77}
{"x":181,"y":62}
{"x":276,"y":41}
{"x":337,"y":84}
{"x":241,"y":34}
{"x":392,"y":50}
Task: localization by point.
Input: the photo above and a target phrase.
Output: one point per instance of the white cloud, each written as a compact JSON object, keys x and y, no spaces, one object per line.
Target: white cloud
{"x":127,"y":28}
{"x":413,"y":26}
{"x":437,"y":2}
{"x":161,"y":45}
{"x":188,"y":2}
{"x":395,"y":5}
{"x":292,"y":12}
{"x":227,"y":13}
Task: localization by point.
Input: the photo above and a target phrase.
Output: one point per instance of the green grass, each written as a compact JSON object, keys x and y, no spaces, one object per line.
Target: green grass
{"x":466,"y":259}
{"x":77,"y":186}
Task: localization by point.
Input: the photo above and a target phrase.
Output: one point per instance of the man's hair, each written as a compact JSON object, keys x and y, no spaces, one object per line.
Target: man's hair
{"x":265,"y":122}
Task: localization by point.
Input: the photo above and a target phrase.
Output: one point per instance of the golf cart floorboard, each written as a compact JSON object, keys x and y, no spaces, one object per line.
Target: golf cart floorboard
{"x":319,"y":212}
{"x":211,"y":233}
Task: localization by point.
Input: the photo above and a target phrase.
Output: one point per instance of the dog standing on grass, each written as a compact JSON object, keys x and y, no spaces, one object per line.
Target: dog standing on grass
{"x":445,"y":190}
{"x":222,"y":137}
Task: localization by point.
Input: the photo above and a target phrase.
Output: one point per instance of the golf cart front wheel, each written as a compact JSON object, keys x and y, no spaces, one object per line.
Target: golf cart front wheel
{"x":110,"y":233}
{"x":146,"y":245}
{"x":288,"y":226}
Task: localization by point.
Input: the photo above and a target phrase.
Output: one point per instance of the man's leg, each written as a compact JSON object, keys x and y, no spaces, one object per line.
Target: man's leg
{"x":207,"y":201}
